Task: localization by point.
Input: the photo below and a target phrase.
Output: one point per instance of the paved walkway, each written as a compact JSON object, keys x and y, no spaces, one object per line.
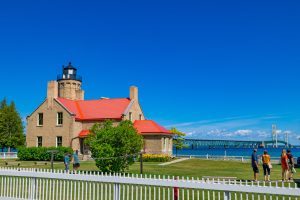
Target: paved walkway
{"x":174,"y":161}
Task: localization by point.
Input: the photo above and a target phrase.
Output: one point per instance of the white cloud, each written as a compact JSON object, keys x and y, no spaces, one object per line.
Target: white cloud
{"x":243,"y":132}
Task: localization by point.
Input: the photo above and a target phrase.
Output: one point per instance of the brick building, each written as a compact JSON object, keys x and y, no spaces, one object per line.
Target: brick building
{"x":64,"y":118}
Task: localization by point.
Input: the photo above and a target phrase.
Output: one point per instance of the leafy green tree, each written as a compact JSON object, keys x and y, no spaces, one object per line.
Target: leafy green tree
{"x":11,"y":126}
{"x":114,"y":147}
{"x":178,"y":141}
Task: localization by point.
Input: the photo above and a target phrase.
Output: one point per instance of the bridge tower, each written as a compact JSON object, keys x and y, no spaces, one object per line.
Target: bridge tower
{"x":275,"y":135}
{"x":287,"y":138}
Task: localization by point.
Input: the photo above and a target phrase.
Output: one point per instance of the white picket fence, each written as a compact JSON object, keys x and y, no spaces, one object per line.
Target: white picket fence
{"x":8,"y":155}
{"x":42,"y":184}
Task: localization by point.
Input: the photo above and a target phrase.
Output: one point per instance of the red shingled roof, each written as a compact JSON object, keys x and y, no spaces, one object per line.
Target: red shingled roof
{"x":149,"y":127}
{"x":96,"y":109}
{"x":144,"y":127}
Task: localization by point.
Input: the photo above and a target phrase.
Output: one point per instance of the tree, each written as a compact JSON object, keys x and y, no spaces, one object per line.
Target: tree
{"x":178,"y":141}
{"x":11,"y":126}
{"x":114,"y":147}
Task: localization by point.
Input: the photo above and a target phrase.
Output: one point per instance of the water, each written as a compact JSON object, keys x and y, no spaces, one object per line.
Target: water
{"x":273,"y":152}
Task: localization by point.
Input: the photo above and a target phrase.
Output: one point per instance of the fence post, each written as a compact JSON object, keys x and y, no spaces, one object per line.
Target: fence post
{"x":175,"y":191}
{"x":33,"y":188}
{"x":117,"y":191}
{"x":227,"y":195}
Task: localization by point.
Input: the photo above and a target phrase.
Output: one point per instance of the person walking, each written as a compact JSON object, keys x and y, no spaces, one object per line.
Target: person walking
{"x":254,"y":161}
{"x":67,"y":162}
{"x":76,"y":163}
{"x":291,"y":164}
{"x":284,"y":165}
{"x":266,"y":160}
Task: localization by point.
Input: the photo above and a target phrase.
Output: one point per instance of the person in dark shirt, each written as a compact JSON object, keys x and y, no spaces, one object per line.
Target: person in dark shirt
{"x":75,"y":161}
{"x":254,"y":161}
{"x":67,"y":162}
{"x":291,"y":164}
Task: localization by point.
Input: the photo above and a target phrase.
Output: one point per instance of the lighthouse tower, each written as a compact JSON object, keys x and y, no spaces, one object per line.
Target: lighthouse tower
{"x":69,"y":84}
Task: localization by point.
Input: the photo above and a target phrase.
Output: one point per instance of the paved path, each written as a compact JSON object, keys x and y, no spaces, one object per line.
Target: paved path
{"x":174,"y":161}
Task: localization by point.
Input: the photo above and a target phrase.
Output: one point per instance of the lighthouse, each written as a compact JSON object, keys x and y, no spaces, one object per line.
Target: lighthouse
{"x":69,"y":84}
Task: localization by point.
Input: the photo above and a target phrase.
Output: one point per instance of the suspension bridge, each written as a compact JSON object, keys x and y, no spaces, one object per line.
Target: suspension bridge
{"x":200,"y":143}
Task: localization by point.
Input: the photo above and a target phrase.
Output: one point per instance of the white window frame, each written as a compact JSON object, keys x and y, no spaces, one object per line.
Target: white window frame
{"x":130,"y":116}
{"x":38,"y":119}
{"x":57,"y":141}
{"x":37,"y":141}
{"x":57,"y":118}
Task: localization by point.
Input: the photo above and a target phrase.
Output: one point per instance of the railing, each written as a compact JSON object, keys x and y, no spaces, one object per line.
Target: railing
{"x":8,"y":155}
{"x":69,"y":77}
{"x":45,"y":185}
{"x":274,"y":160}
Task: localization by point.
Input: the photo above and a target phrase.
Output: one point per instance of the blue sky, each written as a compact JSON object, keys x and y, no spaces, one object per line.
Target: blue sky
{"x":221,"y":69}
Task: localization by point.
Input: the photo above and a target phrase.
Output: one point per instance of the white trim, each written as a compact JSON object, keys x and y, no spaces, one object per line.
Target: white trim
{"x":128,"y":107}
{"x":64,"y":107}
{"x":56,"y":141}
{"x":38,"y":119}
{"x":57,"y":124}
{"x":37,"y":141}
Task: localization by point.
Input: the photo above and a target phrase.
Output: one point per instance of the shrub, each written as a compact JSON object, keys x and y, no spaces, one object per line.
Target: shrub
{"x":41,"y":153}
{"x":114,"y":147}
{"x":156,"y":158}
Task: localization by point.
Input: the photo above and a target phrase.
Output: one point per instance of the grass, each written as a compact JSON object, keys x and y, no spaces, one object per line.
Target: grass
{"x":190,"y":168}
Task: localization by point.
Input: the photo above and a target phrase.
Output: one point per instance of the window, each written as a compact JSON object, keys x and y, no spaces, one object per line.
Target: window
{"x":140,"y":117}
{"x":40,"y":120}
{"x":59,"y":118}
{"x":39,"y":141}
{"x":130,"y":116}
{"x":58,"y":141}
{"x":164,"y":144}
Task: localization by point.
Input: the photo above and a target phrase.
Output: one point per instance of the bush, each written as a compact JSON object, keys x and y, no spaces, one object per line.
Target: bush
{"x":114,"y":147}
{"x":41,"y":154}
{"x":156,"y":158}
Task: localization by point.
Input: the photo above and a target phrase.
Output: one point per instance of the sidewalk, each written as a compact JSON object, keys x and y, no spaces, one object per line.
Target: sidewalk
{"x":174,"y":161}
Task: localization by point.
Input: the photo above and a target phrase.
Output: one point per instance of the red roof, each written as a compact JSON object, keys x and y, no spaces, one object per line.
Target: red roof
{"x":96,"y":109}
{"x":144,"y":127}
{"x":84,"y":133}
{"x":149,"y":127}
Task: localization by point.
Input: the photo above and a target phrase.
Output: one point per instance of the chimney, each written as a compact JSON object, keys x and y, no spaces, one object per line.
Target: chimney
{"x":134,"y":93}
{"x":52,"y":92}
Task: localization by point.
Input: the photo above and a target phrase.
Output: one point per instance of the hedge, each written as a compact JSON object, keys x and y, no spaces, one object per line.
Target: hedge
{"x":41,"y":154}
{"x":156,"y":158}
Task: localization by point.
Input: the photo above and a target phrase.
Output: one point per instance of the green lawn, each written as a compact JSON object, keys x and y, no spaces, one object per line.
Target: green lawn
{"x":191,"y":168}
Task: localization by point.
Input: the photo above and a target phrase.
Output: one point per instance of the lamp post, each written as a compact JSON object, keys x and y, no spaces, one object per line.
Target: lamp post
{"x":52,"y":157}
{"x":141,"y":162}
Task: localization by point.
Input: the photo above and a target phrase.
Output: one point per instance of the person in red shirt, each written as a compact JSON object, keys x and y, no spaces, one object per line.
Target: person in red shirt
{"x":284,"y":165}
